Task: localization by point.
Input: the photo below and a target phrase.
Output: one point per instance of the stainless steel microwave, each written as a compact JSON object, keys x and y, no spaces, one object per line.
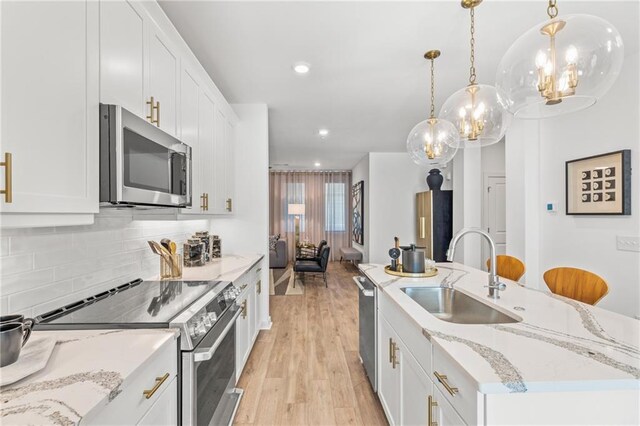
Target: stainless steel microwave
{"x":141,"y":165}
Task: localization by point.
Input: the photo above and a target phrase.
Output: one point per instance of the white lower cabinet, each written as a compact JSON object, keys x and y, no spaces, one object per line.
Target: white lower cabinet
{"x":242,"y":334}
{"x":442,"y":412}
{"x":150,"y":396}
{"x":247,"y":323}
{"x":164,"y":412}
{"x":389,"y":377}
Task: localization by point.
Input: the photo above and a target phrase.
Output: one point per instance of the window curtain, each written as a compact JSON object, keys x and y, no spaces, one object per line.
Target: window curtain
{"x":327,"y":200}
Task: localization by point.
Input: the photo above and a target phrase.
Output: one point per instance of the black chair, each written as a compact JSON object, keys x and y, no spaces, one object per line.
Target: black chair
{"x":318,"y":266}
{"x":317,"y":254}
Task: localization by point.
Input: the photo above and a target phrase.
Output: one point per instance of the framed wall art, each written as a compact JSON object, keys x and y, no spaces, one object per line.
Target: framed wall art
{"x":357,"y":197}
{"x":599,"y":185}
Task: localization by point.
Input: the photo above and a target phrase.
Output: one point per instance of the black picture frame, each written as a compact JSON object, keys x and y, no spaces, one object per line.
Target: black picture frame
{"x":357,"y":203}
{"x":598,"y":185}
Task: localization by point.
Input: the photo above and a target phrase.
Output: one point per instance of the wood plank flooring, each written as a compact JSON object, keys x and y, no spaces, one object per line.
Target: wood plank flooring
{"x":306,"y":370}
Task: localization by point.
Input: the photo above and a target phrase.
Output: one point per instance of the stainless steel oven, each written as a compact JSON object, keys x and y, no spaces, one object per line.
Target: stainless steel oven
{"x":209,"y":396}
{"x":140,"y":164}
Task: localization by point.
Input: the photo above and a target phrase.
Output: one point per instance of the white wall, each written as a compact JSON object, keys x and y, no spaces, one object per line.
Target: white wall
{"x":361,"y":172}
{"x":536,"y":154}
{"x":44,"y":268}
{"x":246,"y":231}
{"x":394,"y":182}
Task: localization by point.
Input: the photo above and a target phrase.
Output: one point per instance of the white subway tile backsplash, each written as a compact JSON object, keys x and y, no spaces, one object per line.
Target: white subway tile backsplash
{"x":15,"y":264}
{"x":27,"y":280}
{"x":39,"y":243}
{"x":46,"y":268}
{"x":38,"y":295}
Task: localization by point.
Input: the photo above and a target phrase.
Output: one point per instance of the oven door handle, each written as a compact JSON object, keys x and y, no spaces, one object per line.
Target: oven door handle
{"x":365,"y":292}
{"x":208,"y":354}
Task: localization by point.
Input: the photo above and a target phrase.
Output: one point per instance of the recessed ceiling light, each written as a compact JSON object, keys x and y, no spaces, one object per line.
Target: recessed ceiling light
{"x":316,"y":164}
{"x":323,"y":133}
{"x":301,"y":67}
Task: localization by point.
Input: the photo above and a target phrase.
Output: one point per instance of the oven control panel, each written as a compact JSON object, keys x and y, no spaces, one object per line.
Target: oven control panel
{"x":200,"y":323}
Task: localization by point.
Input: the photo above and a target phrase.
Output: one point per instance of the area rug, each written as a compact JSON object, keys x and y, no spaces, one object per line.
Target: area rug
{"x":281,"y":282}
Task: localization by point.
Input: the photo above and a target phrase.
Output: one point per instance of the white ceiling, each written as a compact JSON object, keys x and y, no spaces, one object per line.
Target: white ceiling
{"x":368,"y":82}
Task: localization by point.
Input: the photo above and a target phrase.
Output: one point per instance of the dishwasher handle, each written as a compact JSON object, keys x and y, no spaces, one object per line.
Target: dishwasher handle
{"x":366,"y":292}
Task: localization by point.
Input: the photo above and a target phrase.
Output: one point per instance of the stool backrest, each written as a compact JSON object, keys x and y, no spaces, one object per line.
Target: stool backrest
{"x":576,"y":284}
{"x":509,"y":267}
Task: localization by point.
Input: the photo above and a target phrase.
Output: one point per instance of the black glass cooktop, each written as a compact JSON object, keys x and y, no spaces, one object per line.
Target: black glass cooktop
{"x":138,"y":303}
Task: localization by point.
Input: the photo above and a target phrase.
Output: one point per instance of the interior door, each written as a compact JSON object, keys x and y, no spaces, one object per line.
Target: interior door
{"x":50,"y":105}
{"x":122,"y":45}
{"x":495,"y":214}
{"x":163,"y":72}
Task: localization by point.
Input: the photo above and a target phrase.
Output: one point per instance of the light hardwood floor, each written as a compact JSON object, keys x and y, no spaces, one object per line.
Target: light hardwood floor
{"x":306,"y":370}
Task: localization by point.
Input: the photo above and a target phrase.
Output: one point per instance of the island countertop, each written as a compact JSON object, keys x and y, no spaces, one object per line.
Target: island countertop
{"x":560,"y":344}
{"x":86,"y":371}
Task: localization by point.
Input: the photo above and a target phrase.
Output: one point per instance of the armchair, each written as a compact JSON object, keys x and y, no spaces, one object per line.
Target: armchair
{"x":317,"y":265}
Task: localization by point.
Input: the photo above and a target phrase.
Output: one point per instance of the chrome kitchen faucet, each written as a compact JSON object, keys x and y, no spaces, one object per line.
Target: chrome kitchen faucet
{"x":494,"y":281}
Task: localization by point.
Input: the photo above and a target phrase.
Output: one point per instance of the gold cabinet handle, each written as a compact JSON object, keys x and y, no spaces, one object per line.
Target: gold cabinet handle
{"x":229,"y":204}
{"x":423,"y":227}
{"x":202,"y":202}
{"x":159,"y":381}
{"x":244,"y":309}
{"x":8,"y":177}
{"x":390,"y":350}
{"x":259,"y":287}
{"x":153,"y":107}
{"x":206,"y":201}
{"x":442,"y":378}
{"x":395,"y":356}
{"x":431,"y":405}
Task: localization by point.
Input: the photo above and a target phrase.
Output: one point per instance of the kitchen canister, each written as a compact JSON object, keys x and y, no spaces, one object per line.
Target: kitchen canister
{"x":206,"y":240}
{"x":194,"y":252}
{"x":216,"y":247}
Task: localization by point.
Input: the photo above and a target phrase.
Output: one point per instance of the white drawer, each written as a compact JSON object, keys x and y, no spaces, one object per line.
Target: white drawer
{"x":408,"y":330}
{"x":447,"y":373}
{"x":131,"y":404}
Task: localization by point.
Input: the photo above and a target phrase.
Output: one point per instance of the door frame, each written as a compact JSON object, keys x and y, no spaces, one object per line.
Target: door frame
{"x":484,"y":251}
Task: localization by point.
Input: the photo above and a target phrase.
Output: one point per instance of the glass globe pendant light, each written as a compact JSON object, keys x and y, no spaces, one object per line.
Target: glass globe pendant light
{"x":477,"y":110}
{"x":560,"y":66}
{"x":432,"y":142}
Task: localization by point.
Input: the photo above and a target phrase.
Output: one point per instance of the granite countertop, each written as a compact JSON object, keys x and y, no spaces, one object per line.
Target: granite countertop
{"x":560,"y":344}
{"x":226,"y":268}
{"x":86,"y":371}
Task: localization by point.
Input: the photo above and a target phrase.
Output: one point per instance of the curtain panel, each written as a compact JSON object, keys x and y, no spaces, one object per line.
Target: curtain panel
{"x":327,"y":200}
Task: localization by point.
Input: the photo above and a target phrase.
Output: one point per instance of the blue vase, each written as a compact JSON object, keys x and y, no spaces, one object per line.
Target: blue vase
{"x":435,"y":179}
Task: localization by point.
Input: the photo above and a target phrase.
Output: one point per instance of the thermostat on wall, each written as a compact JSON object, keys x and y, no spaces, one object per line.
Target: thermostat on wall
{"x":552,"y":207}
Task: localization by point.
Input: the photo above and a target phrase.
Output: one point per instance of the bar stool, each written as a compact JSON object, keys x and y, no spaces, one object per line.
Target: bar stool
{"x":576,"y":284}
{"x":509,"y":267}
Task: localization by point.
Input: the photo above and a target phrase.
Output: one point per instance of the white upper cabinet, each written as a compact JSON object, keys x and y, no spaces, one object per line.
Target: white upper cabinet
{"x":230,"y":164}
{"x":189,"y":134}
{"x":163,"y":82}
{"x":49,"y":96}
{"x":122,"y":56}
{"x":207,"y":153}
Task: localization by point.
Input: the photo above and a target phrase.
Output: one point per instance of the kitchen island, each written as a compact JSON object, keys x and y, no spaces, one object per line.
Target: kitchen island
{"x":561,"y":361}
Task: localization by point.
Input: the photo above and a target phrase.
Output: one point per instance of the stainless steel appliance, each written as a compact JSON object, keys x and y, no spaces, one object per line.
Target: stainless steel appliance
{"x":140,"y":164}
{"x":367,"y":311}
{"x":204,"y":311}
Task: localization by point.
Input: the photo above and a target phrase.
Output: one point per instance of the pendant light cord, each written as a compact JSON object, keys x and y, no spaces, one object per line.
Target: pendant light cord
{"x":472,"y":69}
{"x":433,"y":108}
{"x":552,"y":10}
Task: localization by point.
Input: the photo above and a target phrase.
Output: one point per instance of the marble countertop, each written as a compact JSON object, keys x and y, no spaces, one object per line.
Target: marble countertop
{"x":226,"y":268}
{"x":86,"y":371}
{"x":560,"y":344}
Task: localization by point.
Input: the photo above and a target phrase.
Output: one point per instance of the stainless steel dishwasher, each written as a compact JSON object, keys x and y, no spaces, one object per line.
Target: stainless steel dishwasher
{"x":367,"y":316}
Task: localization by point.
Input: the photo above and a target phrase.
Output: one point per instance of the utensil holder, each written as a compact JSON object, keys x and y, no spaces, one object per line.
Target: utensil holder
{"x":171,"y":270}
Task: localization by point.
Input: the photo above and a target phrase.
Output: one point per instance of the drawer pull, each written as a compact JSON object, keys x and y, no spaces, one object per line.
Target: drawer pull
{"x":244,"y":309}
{"x":432,"y":404}
{"x":243,"y":286}
{"x":390,"y":350}
{"x":394,"y":360}
{"x":259,"y":287}
{"x":442,"y":378}
{"x":159,"y":381}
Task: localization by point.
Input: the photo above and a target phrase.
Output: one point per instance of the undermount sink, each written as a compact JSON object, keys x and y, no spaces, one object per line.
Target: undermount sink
{"x":454,"y":306}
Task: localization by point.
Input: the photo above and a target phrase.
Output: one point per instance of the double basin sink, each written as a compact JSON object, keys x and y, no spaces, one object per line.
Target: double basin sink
{"x":454,"y":306}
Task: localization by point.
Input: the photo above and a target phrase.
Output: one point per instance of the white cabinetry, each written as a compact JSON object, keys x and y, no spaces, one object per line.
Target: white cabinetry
{"x":222,"y":202}
{"x":389,"y":379}
{"x":49,"y":97}
{"x":190,"y":134}
{"x":122,"y":56}
{"x":163,"y":81}
{"x":150,"y":396}
{"x":247,"y":323}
